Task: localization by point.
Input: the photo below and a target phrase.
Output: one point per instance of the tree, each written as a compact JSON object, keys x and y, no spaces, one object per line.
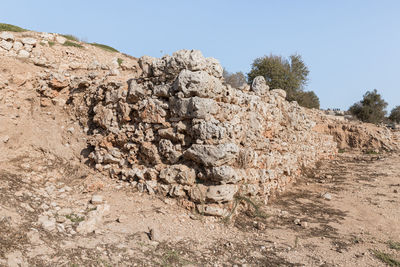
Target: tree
{"x":307,"y":99}
{"x":370,"y":109}
{"x":395,"y":115}
{"x":236,"y":79}
{"x":289,"y":74}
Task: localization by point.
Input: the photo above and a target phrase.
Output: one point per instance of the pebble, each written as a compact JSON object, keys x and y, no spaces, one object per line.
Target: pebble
{"x":64,"y":211}
{"x":5,"y":139}
{"x":27,"y":207}
{"x":304,"y":224}
{"x":327,"y":196}
{"x":297,"y":221}
{"x":61,"y":219}
{"x":49,"y":224}
{"x":44,"y":206}
{"x":96,"y":199}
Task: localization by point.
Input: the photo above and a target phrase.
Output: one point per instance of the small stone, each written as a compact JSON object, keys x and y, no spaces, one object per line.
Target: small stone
{"x":29,"y":41}
{"x":395,"y":191}
{"x":297,"y":221}
{"x":23,"y":54}
{"x":326,"y":196}
{"x":44,"y":206}
{"x":61,"y":39}
{"x":6,"y":45}
{"x":60,"y":228}
{"x":19,"y":193}
{"x":17,"y":46}
{"x":64,"y":211}
{"x":96,"y":199}
{"x":260,"y":226}
{"x":61,"y":219}
{"x":27,"y":207}
{"x":7,"y":36}
{"x":304,"y":224}
{"x":48,"y":224}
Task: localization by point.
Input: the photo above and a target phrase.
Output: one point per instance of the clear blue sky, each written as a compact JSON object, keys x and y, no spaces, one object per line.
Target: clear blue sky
{"x":350,"y":46}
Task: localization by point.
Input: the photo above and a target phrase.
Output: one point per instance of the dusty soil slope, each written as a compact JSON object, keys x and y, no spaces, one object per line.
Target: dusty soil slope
{"x":361,"y":216}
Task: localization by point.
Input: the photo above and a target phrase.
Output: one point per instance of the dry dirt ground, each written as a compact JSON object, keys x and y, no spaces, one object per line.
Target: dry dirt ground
{"x":358,"y":217}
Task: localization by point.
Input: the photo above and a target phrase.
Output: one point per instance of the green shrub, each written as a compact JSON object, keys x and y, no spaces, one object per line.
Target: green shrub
{"x":105,"y":47}
{"x":120,"y":60}
{"x":69,"y":43}
{"x":10,"y":28}
{"x":71,"y":37}
{"x":51,"y":43}
{"x":386,"y":258}
{"x":394,"y":245}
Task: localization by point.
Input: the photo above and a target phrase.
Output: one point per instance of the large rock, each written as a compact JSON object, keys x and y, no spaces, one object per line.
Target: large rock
{"x":94,"y":219}
{"x":279,"y":92}
{"x":7,"y":36}
{"x":29,"y":41}
{"x":149,"y":154}
{"x":178,"y":174}
{"x":189,"y":59}
{"x":198,"y":83}
{"x":212,"y":210}
{"x":23,"y":54}
{"x":209,"y":130}
{"x":212,"y":155}
{"x":223,"y":174}
{"x":60,"y":39}
{"x":135,"y":92}
{"x":194,"y":107}
{"x":6,"y":45}
{"x":259,"y":86}
{"x":221,"y":193}
{"x":17,"y":46}
{"x":168,"y":151}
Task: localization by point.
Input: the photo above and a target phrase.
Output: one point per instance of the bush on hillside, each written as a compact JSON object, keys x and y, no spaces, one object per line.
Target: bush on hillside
{"x":289,"y":74}
{"x":395,"y":115}
{"x":10,"y":28}
{"x":370,"y":109}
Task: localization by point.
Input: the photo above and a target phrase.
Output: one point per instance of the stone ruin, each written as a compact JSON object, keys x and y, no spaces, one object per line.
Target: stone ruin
{"x":178,"y":130}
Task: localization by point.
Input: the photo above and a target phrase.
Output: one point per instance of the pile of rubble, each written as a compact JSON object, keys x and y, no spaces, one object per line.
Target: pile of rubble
{"x":179,"y":130}
{"x":355,"y":135}
{"x":54,"y":51}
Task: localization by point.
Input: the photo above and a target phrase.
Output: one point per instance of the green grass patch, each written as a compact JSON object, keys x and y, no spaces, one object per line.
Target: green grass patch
{"x":394,"y":245}
{"x":70,"y":37}
{"x":386,"y":258}
{"x":341,"y":150}
{"x":10,"y":28}
{"x":75,"y":218}
{"x":371,"y":152}
{"x":69,"y":43}
{"x":120,"y":60}
{"x":51,"y":43}
{"x":105,"y":47}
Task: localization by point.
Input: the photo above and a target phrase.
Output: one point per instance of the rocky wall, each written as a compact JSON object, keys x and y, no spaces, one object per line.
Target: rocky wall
{"x":180,"y":131}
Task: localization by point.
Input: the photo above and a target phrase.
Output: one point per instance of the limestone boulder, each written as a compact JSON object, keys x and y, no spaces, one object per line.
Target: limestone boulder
{"x":259,"y":86}
{"x":212,"y":155}
{"x":221,"y":193}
